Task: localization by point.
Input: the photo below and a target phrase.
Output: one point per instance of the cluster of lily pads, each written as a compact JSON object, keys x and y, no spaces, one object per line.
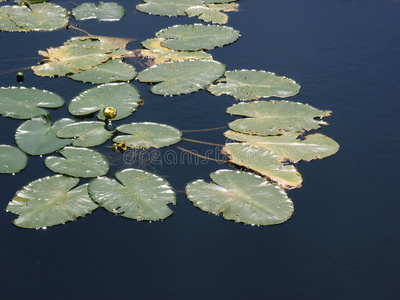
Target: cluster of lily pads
{"x":264,"y":141}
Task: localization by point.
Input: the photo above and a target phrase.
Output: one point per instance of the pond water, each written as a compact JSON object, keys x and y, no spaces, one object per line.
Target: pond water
{"x":343,"y":239}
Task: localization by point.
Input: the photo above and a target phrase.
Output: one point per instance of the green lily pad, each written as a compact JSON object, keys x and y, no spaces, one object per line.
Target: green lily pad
{"x":25,"y":103}
{"x":79,"y":54}
{"x":109,"y":11}
{"x":197,"y":37}
{"x":124,"y":97}
{"x":5,"y":23}
{"x":39,"y":17}
{"x":160,"y":54}
{"x":288,"y":147}
{"x":212,"y":12}
{"x":12,"y":159}
{"x":110,"y":71}
{"x":167,"y":7}
{"x":37,"y":136}
{"x":140,"y":195}
{"x":242,"y":197}
{"x":78,"y":162}
{"x":273,"y":117}
{"x":263,"y":162}
{"x":182,"y":77}
{"x":252,"y":85}
{"x":146,"y":135}
{"x":50,"y":201}
{"x":85,"y":134}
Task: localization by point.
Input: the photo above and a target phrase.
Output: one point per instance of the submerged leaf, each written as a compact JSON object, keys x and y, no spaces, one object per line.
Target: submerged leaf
{"x":140,"y":195}
{"x":288,"y":147}
{"x":12,"y":159}
{"x":42,"y":16}
{"x":182,"y":77}
{"x":109,"y":11}
{"x":197,"y":36}
{"x":85,"y":134}
{"x":124,"y":97}
{"x":50,"y":201}
{"x":252,"y":85}
{"x":78,"y":162}
{"x":146,"y":135}
{"x":273,"y":117}
{"x":25,"y":103}
{"x":162,"y":54}
{"x":166,"y":7}
{"x":242,"y":197}
{"x":263,"y":162}
{"x":37,"y":136}
{"x":110,"y":71}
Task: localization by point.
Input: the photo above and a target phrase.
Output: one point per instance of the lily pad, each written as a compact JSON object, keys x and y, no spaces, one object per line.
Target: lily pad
{"x":12,"y":159}
{"x":182,"y":77}
{"x":197,"y":37}
{"x":263,"y":162}
{"x":147,"y":134}
{"x":167,"y":7}
{"x":85,"y":134}
{"x":252,"y":85}
{"x":161,"y":54}
{"x":288,"y":147}
{"x":37,"y":136}
{"x":242,"y":197}
{"x":78,"y":162}
{"x":110,"y":71}
{"x":273,"y":117}
{"x":39,"y":17}
{"x":50,"y":201}
{"x":78,"y":54}
{"x":124,"y":97}
{"x":212,"y":12}
{"x":5,"y":23}
{"x":138,"y":195}
{"x":25,"y":103}
{"x":109,"y":11}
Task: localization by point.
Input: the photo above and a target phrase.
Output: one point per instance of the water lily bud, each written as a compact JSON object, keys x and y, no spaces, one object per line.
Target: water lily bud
{"x":20,"y":76}
{"x":110,"y":112}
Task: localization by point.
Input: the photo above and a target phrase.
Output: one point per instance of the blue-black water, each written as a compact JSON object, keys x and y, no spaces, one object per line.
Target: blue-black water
{"x":343,"y":239}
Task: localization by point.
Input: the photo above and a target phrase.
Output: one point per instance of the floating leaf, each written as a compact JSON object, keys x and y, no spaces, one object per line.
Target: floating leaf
{"x":252,"y":84}
{"x":110,"y":71}
{"x":78,"y":162}
{"x":109,"y":11}
{"x":273,"y":117}
{"x":5,"y":23}
{"x":12,"y":159}
{"x":37,"y":136}
{"x":124,"y":97}
{"x":288,"y":147}
{"x":263,"y":162}
{"x":197,"y":36}
{"x":212,"y":12}
{"x":86,"y":134}
{"x":140,"y":195}
{"x":50,"y":201}
{"x":182,"y":77}
{"x":146,"y":135}
{"x":166,"y":7}
{"x":78,"y":54}
{"x":42,"y":16}
{"x":242,"y":197}
{"x":25,"y":103}
{"x":162,"y":54}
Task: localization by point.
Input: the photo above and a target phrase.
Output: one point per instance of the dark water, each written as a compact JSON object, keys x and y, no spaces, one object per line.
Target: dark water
{"x":343,"y":239}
